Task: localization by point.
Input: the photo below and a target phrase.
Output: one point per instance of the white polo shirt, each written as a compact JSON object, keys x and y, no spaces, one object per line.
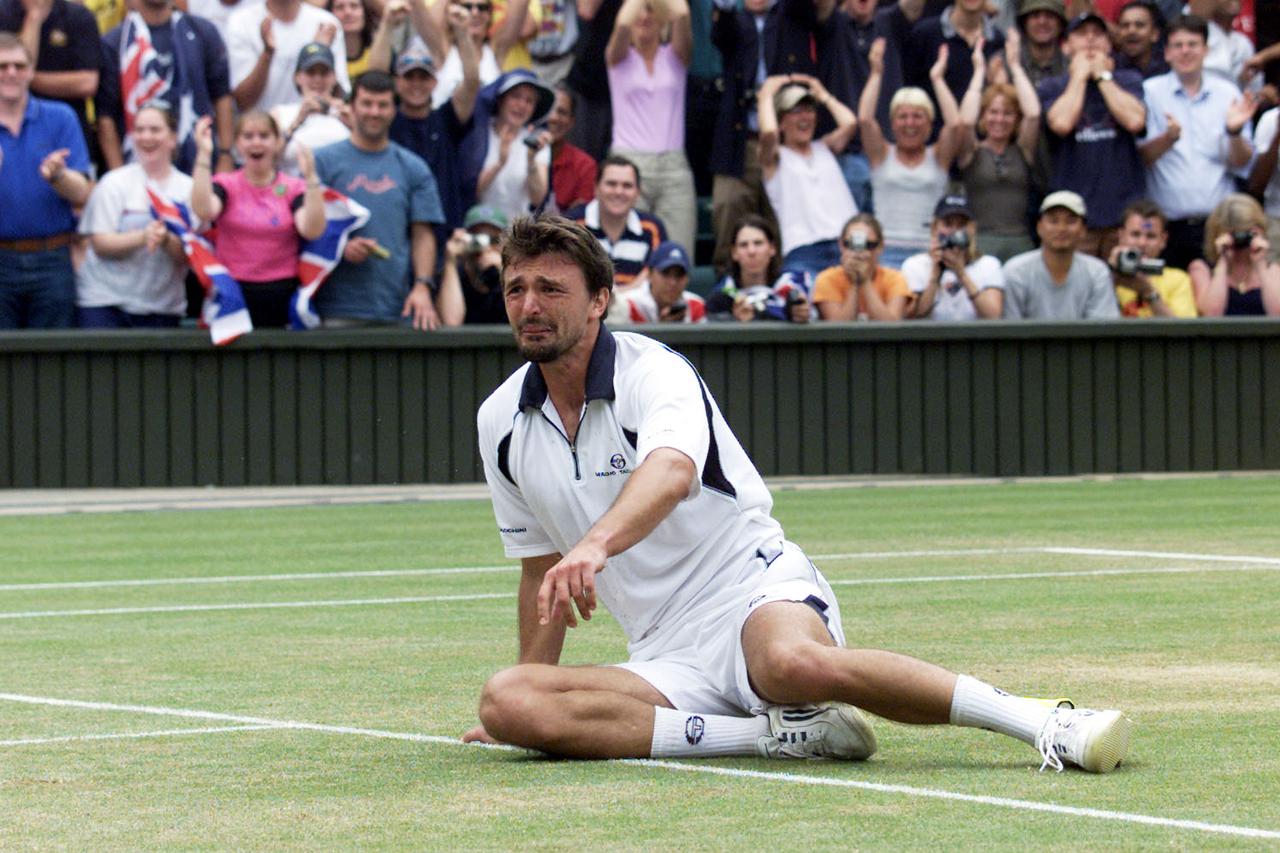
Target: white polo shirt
{"x":547,"y":493}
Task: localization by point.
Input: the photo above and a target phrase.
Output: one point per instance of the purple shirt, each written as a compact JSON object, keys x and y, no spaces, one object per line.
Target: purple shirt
{"x":648,"y":109}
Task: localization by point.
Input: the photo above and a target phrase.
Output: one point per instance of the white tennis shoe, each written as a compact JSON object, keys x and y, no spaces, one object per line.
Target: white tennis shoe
{"x":829,"y":730}
{"x":1092,"y":740}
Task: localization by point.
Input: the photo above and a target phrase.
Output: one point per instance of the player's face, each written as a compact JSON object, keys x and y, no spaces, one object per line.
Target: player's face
{"x":752,"y":252}
{"x":549,"y":307}
{"x":415,"y":87}
{"x":15,"y":74}
{"x":1060,"y":230}
{"x":617,"y":190}
{"x":1185,"y":52}
{"x":373,"y":112}
{"x":1146,"y":235}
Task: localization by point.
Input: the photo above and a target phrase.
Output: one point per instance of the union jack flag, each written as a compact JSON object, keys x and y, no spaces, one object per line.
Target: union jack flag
{"x":224,"y":311}
{"x":319,"y":256}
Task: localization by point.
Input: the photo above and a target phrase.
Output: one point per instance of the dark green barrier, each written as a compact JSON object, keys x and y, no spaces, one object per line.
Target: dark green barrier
{"x":390,"y":406}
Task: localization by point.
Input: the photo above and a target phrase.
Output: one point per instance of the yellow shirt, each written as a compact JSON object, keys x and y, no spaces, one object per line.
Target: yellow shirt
{"x":1174,"y":287}
{"x":518,"y":56}
{"x":109,"y":13}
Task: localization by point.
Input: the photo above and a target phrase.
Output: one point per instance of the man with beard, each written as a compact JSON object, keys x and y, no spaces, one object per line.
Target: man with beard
{"x":1056,"y":282}
{"x":371,"y":285}
{"x":1042,"y":23}
{"x":608,"y":450}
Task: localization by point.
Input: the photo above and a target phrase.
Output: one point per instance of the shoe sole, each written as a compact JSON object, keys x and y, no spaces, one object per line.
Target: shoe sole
{"x":1109,"y":746}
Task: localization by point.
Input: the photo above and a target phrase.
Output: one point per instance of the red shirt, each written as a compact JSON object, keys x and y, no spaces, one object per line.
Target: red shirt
{"x":573,"y":176}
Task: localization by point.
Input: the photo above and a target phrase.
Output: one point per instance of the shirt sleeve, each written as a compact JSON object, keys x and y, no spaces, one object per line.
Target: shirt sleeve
{"x":102,"y":211}
{"x":666,"y":394}
{"x":1156,"y":123}
{"x":827,"y":287}
{"x":424,"y":195}
{"x":916,"y":270}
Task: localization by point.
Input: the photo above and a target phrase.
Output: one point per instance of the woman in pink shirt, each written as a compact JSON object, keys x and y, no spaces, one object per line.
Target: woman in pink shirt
{"x":647,"y":90}
{"x":262,"y":215}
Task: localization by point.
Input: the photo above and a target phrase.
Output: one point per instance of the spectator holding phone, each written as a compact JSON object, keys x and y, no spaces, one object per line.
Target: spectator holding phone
{"x":1235,"y":278}
{"x":756,"y":287}
{"x":515,"y":174}
{"x":661,"y":296}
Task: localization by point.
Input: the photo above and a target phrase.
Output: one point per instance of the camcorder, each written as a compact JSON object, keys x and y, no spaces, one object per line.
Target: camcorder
{"x":1132,"y":262}
{"x":478,"y":243}
{"x":954,"y":240}
{"x":1241,"y":239}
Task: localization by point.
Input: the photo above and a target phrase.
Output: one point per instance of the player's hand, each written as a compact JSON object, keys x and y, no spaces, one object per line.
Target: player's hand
{"x":477,"y":734}
{"x":571,"y":581}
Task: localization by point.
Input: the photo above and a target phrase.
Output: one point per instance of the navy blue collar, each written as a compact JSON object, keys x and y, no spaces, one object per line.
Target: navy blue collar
{"x":599,"y":375}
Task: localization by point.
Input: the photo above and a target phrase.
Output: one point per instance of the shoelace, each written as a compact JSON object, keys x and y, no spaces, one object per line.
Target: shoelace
{"x":1045,"y":742}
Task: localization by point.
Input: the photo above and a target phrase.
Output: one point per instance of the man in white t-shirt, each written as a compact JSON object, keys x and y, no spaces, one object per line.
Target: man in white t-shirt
{"x":263,"y":42}
{"x":613,"y":473}
{"x":952,"y":281}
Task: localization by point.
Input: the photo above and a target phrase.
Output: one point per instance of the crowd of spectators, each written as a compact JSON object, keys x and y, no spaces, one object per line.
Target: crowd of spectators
{"x":864,"y":159}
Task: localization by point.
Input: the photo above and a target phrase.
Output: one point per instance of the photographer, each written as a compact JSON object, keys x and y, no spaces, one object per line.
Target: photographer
{"x":1236,"y":278}
{"x":952,"y":281}
{"x":661,"y":296}
{"x":860,"y":288}
{"x":473,"y":263}
{"x":755,"y":287}
{"x":1145,"y":287}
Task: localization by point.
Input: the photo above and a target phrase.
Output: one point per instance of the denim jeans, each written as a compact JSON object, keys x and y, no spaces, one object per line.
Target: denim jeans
{"x":37,"y":289}
{"x":813,"y":258}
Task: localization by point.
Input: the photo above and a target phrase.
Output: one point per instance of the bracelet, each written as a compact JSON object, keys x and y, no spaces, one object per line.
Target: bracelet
{"x":423,"y":279}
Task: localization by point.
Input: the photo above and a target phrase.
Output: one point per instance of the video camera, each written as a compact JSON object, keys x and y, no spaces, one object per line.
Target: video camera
{"x":1131,"y":262}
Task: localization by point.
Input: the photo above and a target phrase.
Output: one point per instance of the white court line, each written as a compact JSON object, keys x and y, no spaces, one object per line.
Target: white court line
{"x":1164,"y":555}
{"x":946,"y":552}
{"x":792,"y":778}
{"x":1083,"y":573}
{"x":296,"y":576}
{"x":255,"y":605}
{"x":134,"y":735}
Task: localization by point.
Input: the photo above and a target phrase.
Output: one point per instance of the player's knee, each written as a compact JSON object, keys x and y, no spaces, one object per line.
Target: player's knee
{"x":506,"y":706}
{"x":792,"y":672}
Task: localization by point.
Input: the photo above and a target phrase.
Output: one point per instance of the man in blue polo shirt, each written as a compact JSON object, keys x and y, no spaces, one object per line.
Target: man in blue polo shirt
{"x":613,"y":473}
{"x":43,"y":173}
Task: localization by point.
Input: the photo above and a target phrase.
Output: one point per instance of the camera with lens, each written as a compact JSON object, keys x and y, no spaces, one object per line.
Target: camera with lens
{"x":478,"y":243}
{"x":856,"y":242}
{"x":954,"y":240}
{"x":1131,"y":262}
{"x":1241,"y":239}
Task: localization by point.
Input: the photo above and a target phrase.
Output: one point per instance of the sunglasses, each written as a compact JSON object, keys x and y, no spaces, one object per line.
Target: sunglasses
{"x":860,"y":245}
{"x":480,"y":8}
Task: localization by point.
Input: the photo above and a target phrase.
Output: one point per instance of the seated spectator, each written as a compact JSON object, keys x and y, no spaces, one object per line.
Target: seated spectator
{"x":953,"y":281}
{"x":1042,"y":23}
{"x":756,"y":287}
{"x":798,"y":169}
{"x":1264,"y":181}
{"x":1235,"y":278}
{"x":473,"y":265}
{"x":369,"y":37}
{"x":1056,"y":281}
{"x":517,"y":161}
{"x":999,"y":130}
{"x":134,"y":267}
{"x":647,"y":79}
{"x":908,"y":175}
{"x":189,"y":73}
{"x":442,"y":40}
{"x":573,"y":171}
{"x":318,"y":119}
{"x":1196,"y":138}
{"x":262,"y":215}
{"x":626,"y":234}
{"x":1094,"y":115}
{"x":44,"y":174}
{"x":1145,"y":285}
{"x":263,"y":43}
{"x":385,"y":276}
{"x":1140,"y":36}
{"x":661,"y":296}
{"x":437,"y":135}
{"x":860,"y":288}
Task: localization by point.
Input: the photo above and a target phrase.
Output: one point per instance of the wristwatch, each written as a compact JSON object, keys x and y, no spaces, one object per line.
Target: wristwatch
{"x":1104,"y":77}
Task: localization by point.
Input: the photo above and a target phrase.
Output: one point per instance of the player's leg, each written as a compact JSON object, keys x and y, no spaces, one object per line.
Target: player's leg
{"x":609,"y":712}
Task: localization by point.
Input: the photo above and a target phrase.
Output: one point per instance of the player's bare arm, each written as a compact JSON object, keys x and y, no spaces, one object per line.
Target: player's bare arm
{"x":661,"y":482}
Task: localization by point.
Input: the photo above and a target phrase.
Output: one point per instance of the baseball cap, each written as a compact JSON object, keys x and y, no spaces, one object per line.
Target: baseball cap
{"x":669,"y":254}
{"x":791,"y":96}
{"x":314,"y":54}
{"x":1055,"y":6}
{"x":485,"y":214}
{"x":1063,"y":198}
{"x":1087,"y":18}
{"x":415,"y":57}
{"x":953,"y":205}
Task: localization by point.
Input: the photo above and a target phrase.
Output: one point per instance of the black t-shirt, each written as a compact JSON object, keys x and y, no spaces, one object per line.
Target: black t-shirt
{"x":69,"y":41}
{"x":487,"y":307}
{"x":436,"y":139}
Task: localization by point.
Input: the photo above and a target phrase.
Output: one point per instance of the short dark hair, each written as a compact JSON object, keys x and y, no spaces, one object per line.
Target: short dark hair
{"x":1189,"y":24}
{"x":1147,"y":209}
{"x":532,"y":237}
{"x":616,"y":160}
{"x":376,"y":82}
{"x":563,"y":89}
{"x":1157,"y":17}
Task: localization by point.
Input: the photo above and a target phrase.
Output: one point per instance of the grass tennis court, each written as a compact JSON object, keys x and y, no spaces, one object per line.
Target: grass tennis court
{"x":166,"y":712}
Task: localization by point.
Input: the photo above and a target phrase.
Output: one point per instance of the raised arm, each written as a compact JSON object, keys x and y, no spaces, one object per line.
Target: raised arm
{"x":309,"y":219}
{"x":509,"y":32}
{"x":204,"y":203}
{"x":846,"y":121}
{"x":1028,"y":100}
{"x":620,"y":38}
{"x":1239,"y":148}
{"x":397,"y":12}
{"x":768,"y":119}
{"x":1066,"y":110}
{"x":429,"y":23}
{"x":873,"y":143}
{"x":464,"y":95}
{"x":676,"y":13}
{"x":966,"y":114}
{"x":1126,"y":108}
{"x":951,"y":135}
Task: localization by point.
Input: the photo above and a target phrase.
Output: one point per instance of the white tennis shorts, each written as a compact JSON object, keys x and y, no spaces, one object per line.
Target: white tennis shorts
{"x":699,"y":665}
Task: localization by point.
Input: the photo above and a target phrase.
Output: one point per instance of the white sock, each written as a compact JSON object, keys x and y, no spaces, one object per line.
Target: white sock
{"x":979,"y":705}
{"x":681,"y":734}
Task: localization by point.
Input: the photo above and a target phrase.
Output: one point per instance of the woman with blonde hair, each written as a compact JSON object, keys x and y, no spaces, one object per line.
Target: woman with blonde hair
{"x":909,"y":175}
{"x":1236,"y":278}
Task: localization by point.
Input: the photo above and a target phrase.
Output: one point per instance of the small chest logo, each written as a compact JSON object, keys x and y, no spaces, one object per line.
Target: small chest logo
{"x":617,"y":465}
{"x":617,"y":461}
